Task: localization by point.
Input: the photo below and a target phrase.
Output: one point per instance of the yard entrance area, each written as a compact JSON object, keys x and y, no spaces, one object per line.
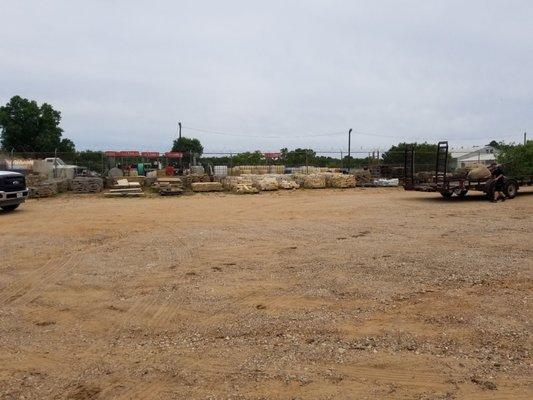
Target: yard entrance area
{"x":325,"y":294}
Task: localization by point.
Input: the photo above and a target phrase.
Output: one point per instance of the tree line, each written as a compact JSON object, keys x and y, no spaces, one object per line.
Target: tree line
{"x":27,"y":127}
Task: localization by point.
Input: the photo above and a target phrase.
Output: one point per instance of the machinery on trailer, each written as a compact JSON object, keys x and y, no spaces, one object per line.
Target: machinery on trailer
{"x":448,"y":185}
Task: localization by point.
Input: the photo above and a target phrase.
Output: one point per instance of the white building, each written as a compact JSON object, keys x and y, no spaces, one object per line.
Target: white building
{"x":463,"y":157}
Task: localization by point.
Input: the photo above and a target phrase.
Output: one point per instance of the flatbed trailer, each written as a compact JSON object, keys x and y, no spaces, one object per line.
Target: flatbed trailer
{"x":449,"y":186}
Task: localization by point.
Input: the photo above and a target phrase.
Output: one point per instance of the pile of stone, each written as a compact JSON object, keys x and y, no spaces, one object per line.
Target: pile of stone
{"x":239,"y":184}
{"x":265,"y":183}
{"x":188,"y":180}
{"x":87,"y":184}
{"x":363,"y":177}
{"x":341,"y":181}
{"x":311,"y":181}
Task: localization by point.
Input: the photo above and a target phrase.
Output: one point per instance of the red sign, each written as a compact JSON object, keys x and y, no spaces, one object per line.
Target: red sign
{"x":173,"y":154}
{"x":128,"y":153}
{"x":111,"y":153}
{"x":272,"y":155}
{"x":150,"y":154}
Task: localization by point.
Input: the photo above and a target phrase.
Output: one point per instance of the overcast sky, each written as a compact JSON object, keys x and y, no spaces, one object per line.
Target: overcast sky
{"x":273,"y":73}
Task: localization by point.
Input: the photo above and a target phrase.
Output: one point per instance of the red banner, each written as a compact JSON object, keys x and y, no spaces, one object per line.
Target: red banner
{"x":173,"y":154}
{"x":130,"y":153}
{"x":150,"y":154}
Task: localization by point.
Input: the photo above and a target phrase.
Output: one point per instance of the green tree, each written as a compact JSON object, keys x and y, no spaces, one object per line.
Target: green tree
{"x":188,"y":145}
{"x":517,"y":159}
{"x":425,"y":155}
{"x":248,"y":158}
{"x":28,"y":127}
{"x":298,"y":157}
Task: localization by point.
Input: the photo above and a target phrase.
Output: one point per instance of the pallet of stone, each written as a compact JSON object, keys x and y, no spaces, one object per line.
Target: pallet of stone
{"x":140,"y":194}
{"x":170,"y":190}
{"x":125,"y":192}
{"x":125,"y":184}
{"x":87,"y":184}
{"x":168,"y":186}
{"x":188,"y":180}
{"x":43,"y":190}
{"x":207,"y":187}
{"x":62,"y":185}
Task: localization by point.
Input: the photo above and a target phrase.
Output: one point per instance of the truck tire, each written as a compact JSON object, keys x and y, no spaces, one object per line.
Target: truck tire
{"x":462,"y":193}
{"x":10,"y":207}
{"x":510,"y":189}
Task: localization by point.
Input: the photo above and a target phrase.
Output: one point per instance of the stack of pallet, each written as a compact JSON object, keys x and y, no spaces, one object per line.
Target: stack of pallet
{"x":87,"y":184}
{"x":124,"y":188}
{"x":168,"y":186}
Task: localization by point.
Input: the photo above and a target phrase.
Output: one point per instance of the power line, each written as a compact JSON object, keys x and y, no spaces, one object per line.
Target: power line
{"x":278,"y":136}
{"x":339,"y":133}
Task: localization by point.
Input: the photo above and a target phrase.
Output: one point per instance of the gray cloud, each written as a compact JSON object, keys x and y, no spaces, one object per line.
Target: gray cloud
{"x":124,"y":72}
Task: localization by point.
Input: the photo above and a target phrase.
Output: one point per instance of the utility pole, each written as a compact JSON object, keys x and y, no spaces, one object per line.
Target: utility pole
{"x":349,"y":141}
{"x":525,"y":138}
{"x":179,"y":128}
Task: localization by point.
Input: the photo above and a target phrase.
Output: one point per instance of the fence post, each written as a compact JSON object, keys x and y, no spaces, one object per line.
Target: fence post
{"x":55,"y":163}
{"x":12,"y":157}
{"x":306,"y":163}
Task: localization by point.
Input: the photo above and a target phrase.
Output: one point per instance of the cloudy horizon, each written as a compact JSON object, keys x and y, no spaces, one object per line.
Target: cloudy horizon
{"x":244,"y":75}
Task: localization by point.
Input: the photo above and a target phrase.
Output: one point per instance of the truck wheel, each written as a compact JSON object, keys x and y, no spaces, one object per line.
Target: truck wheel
{"x":510,"y":189}
{"x":447,"y":194}
{"x":462,"y":193}
{"x":9,"y":208}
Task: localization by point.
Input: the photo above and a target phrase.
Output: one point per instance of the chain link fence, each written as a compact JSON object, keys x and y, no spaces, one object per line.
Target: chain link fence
{"x":386,"y":164}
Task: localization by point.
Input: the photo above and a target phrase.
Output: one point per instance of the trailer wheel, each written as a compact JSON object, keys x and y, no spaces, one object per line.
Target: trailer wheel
{"x":510,"y":189}
{"x":447,"y":194}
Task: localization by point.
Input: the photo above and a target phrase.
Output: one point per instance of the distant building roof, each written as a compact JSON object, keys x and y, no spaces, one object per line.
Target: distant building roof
{"x":487,"y":152}
{"x":478,"y":157}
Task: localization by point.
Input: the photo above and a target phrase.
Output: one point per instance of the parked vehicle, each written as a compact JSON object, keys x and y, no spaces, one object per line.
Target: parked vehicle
{"x":13,"y":190}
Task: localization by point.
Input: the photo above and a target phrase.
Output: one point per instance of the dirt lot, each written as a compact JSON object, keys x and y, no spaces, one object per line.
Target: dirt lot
{"x":348,"y":294}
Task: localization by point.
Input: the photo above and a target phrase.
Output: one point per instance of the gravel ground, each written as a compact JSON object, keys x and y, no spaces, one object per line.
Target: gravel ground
{"x":325,"y":294}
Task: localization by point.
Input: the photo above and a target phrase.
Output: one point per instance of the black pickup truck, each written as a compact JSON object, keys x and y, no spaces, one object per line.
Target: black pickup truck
{"x":13,"y":190}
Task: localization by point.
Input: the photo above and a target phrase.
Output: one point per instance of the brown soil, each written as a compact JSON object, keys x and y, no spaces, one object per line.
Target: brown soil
{"x":326,"y":294}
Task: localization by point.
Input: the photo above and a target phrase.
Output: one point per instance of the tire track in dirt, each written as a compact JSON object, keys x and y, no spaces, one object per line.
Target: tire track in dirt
{"x":40,"y":279}
{"x":160,"y":316}
{"x":140,"y":308}
{"x":43,"y":276}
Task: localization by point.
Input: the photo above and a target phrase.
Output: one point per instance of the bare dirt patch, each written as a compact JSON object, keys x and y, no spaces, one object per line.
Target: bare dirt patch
{"x":325,"y":294}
